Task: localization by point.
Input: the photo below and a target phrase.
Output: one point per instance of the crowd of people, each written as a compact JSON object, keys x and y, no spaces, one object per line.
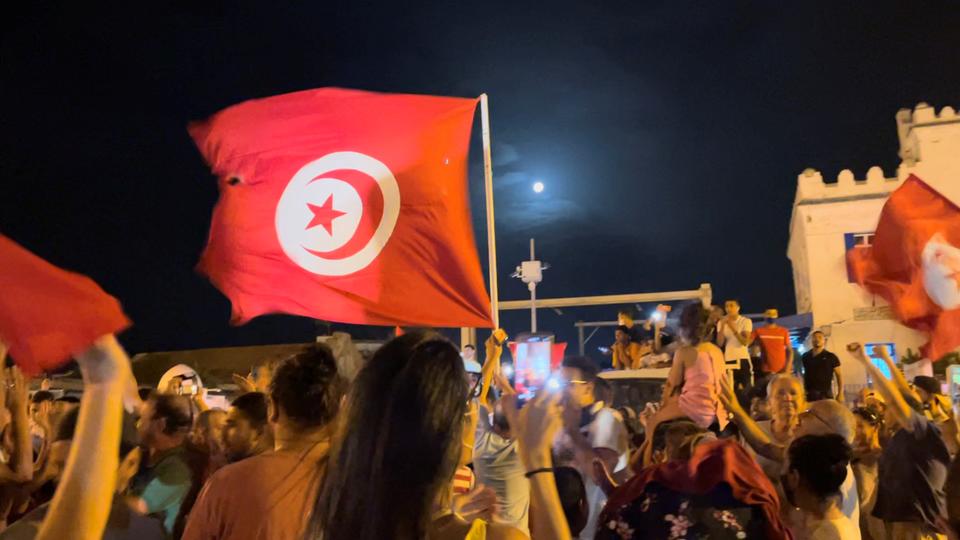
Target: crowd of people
{"x":425,"y":441}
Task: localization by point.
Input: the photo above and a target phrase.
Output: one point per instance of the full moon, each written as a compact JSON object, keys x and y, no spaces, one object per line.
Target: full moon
{"x":538,"y":187}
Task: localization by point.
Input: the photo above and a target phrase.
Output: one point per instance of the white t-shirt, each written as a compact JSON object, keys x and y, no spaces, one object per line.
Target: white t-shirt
{"x":841,"y":528}
{"x":732,"y":349}
{"x":607,"y":430}
{"x":498,"y":467}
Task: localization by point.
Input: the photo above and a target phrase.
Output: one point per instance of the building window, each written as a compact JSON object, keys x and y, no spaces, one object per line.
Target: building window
{"x":855,"y":240}
{"x":871,"y":350}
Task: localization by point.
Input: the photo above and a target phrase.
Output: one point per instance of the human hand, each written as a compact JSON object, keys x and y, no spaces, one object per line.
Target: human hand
{"x":728,"y":396}
{"x":245,"y":384}
{"x":648,"y":412}
{"x":494,"y":343}
{"x":17,"y":390}
{"x":477,"y":504}
{"x":857,"y":351}
{"x":104,"y":362}
{"x":535,"y":427}
{"x":603,"y":478}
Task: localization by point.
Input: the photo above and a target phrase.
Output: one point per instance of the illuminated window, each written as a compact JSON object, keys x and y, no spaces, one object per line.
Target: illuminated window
{"x":877,"y":361}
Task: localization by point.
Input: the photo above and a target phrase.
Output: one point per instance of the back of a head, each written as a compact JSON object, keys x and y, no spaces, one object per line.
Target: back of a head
{"x":42,"y":395}
{"x":177,"y":411}
{"x":307,"y":388}
{"x":836,"y":416}
{"x":588,"y":368}
{"x":821,"y":461}
{"x":253,"y":407}
{"x":398,"y":444}
{"x":573,"y":498}
{"x":128,"y":432}
{"x":207,"y":418}
{"x":694,"y":323}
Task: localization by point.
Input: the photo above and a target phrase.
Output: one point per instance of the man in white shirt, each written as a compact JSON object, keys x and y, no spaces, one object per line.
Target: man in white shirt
{"x":591,"y":431}
{"x":498,"y":464}
{"x":733,"y":335}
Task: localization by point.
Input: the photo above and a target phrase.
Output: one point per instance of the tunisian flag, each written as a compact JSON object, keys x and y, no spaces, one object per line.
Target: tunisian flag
{"x":914,"y":263}
{"x":48,"y":314}
{"x":345,"y":206}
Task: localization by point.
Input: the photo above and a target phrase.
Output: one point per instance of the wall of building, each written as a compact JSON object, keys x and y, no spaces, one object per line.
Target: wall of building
{"x":824,"y":214}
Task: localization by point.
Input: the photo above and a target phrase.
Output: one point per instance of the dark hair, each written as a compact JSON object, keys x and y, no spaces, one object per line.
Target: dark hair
{"x":42,"y":395}
{"x":469,"y":346}
{"x":818,"y":332}
{"x":871,"y":415}
{"x":734,"y":300}
{"x":144,"y":392}
{"x":821,"y":461}
{"x":128,"y":432}
{"x":573,"y":498}
{"x":398,"y":443}
{"x":253,"y":407}
{"x":68,"y":399}
{"x":307,"y":387}
{"x":588,"y":368}
{"x":622,"y":328}
{"x":178,"y":411}
{"x":693,"y":323}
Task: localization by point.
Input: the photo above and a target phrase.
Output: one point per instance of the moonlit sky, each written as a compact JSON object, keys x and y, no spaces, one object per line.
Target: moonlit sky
{"x":668,"y":135}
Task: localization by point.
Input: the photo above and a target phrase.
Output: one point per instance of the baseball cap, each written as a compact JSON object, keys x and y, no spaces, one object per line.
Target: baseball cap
{"x":929,"y":385}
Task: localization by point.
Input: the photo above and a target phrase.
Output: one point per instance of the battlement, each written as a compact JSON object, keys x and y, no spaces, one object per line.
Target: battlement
{"x":922,"y":116}
{"x":811,"y":186}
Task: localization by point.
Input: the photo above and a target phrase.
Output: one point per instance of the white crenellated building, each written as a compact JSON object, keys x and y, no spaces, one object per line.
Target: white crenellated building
{"x":829,"y":219}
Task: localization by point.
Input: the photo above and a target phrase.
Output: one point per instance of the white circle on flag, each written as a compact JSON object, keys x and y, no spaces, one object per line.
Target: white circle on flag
{"x":318,"y":213}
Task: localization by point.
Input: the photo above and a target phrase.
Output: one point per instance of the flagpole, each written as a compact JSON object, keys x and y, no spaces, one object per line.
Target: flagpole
{"x":491,"y":229}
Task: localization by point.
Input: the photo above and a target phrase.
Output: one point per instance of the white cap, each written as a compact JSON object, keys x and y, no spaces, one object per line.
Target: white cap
{"x":179,"y":370}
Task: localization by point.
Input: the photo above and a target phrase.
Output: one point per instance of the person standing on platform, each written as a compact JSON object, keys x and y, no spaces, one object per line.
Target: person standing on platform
{"x":820,"y":368}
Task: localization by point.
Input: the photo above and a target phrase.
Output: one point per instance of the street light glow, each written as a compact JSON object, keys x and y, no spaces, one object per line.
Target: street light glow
{"x":538,"y":187}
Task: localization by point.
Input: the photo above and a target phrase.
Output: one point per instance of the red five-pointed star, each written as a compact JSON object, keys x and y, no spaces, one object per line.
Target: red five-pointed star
{"x":324,"y":215}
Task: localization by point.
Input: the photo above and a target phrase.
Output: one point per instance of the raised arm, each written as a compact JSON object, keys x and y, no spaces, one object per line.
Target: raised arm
{"x":17,"y":402}
{"x":81,"y":504}
{"x":887,"y":389}
{"x":758,"y":440}
{"x":491,"y":364}
{"x":535,"y":427}
{"x":902,"y":384}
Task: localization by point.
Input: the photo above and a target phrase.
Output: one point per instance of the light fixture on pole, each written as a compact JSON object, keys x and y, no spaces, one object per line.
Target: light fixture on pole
{"x":531,"y":273}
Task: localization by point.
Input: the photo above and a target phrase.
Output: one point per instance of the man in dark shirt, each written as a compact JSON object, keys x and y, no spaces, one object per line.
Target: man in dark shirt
{"x":913,"y":466}
{"x":820,"y":367}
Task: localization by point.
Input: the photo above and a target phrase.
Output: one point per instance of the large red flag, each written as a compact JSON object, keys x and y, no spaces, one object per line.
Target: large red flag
{"x":914,"y":263}
{"x":345,"y":206}
{"x":48,"y":314}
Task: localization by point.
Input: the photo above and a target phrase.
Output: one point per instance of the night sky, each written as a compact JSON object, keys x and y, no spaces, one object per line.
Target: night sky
{"x":669,"y":135}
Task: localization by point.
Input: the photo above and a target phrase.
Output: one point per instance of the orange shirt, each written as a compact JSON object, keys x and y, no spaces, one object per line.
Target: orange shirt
{"x":774,"y":341}
{"x":628,"y":357}
{"x":265,"y":497}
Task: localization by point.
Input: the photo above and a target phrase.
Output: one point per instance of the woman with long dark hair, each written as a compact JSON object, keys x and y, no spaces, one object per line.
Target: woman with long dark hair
{"x":398,"y":445}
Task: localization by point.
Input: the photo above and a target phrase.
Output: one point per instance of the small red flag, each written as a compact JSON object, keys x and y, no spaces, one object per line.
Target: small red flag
{"x":345,"y":206}
{"x":48,"y":314}
{"x":914,"y":263}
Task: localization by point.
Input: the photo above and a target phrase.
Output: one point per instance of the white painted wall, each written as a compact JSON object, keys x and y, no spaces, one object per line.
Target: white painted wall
{"x":823,"y":213}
